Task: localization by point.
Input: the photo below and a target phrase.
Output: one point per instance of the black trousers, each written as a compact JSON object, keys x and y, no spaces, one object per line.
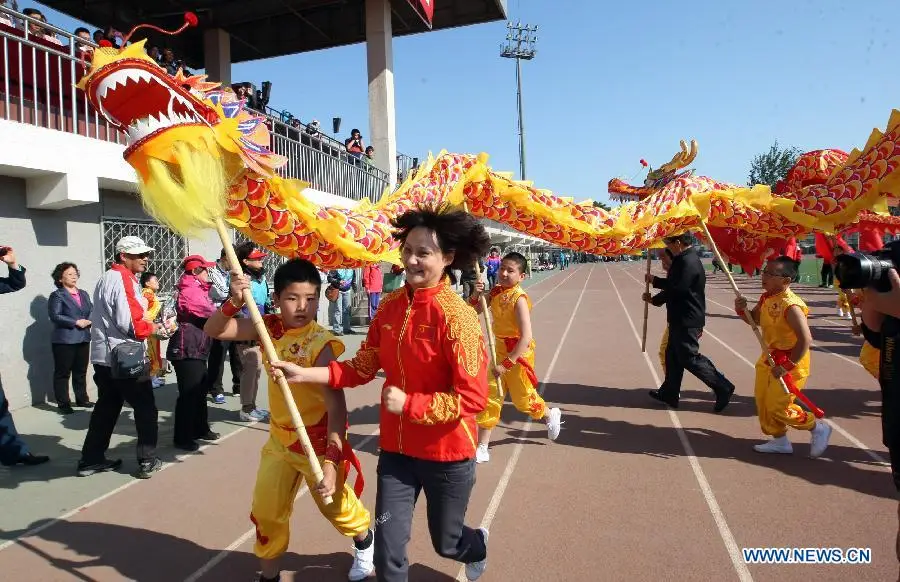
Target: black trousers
{"x":447,"y":487}
{"x":216,"y":365}
{"x":191,"y":417}
{"x":70,"y":360}
{"x":111,"y":395}
{"x":11,"y":444}
{"x":683,"y":353}
{"x":827,"y":274}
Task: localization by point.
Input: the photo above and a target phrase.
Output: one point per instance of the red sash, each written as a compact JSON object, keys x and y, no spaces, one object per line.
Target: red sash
{"x":529,"y":371}
{"x":318,"y":437}
{"x":781,"y":358}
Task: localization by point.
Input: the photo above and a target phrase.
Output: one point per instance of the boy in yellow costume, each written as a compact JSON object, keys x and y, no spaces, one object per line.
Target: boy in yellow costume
{"x":869,"y":355}
{"x":283,"y":466}
{"x":782,"y":317}
{"x":511,"y":312}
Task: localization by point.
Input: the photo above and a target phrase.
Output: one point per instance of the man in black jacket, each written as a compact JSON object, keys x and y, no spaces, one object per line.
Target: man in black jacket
{"x":13,"y":450}
{"x":683,"y":293}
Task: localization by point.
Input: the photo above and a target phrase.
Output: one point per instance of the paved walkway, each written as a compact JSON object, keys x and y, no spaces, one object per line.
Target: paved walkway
{"x":630,"y":491}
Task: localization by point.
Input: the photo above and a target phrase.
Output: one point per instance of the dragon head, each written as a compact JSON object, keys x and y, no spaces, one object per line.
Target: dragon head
{"x":155,"y":110}
{"x":656,"y":179}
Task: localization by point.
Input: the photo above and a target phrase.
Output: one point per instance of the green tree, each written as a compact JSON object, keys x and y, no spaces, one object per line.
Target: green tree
{"x":772,"y":166}
{"x":602,"y":205}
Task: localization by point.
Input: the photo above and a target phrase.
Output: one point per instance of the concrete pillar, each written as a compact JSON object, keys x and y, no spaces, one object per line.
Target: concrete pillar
{"x":380,"y":61}
{"x":217,"y":55}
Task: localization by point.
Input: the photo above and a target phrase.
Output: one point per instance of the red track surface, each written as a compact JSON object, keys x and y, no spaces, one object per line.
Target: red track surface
{"x":630,"y":491}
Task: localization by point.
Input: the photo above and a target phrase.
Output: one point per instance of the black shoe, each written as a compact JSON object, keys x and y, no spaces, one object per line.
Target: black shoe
{"x":66,"y":409}
{"x":656,"y":395}
{"x":723,"y":400}
{"x":85,"y":404}
{"x":28,"y":460}
{"x":209,"y":436}
{"x":147,"y":468}
{"x":189,"y":446}
{"x":88,"y":469}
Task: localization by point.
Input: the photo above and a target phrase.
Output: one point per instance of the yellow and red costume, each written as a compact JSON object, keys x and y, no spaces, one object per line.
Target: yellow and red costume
{"x":430,"y":345}
{"x":870,"y":358}
{"x":154,"y":353}
{"x":663,"y":346}
{"x":776,"y":408}
{"x":283,"y":466}
{"x":520,"y":380}
{"x":843,"y":302}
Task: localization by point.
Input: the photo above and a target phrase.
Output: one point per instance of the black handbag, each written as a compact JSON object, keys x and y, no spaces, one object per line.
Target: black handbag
{"x":128,"y":361}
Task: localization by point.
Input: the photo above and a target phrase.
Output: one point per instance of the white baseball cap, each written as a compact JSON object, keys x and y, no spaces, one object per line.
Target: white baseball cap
{"x":133,"y":245}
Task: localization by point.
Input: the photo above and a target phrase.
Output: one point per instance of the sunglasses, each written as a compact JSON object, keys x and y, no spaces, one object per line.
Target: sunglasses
{"x":140,"y":256}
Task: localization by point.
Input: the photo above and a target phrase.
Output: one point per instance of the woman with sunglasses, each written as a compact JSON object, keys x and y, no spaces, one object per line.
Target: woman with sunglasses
{"x":188,"y":351}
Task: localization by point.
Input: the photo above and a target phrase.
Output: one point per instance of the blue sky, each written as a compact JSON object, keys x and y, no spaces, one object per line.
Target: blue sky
{"x":613,"y":84}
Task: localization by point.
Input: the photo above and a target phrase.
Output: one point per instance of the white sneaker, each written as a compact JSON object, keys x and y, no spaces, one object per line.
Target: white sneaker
{"x":482,"y":455}
{"x":819,"y":442}
{"x":363,"y":562}
{"x":252,"y":416}
{"x":780,"y":445}
{"x":554,"y":423}
{"x":476,"y":569}
{"x":840,"y":313}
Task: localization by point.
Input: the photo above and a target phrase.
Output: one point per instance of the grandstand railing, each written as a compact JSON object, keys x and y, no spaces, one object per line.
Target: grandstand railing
{"x":37,"y":87}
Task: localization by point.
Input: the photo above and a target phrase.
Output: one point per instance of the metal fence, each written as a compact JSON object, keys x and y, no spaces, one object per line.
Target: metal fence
{"x":170,"y":248}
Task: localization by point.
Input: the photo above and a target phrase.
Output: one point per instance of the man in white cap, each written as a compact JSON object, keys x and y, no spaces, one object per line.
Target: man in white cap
{"x":118,"y":330}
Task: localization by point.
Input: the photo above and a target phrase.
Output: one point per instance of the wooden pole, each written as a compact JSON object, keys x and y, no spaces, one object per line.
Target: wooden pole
{"x":646,"y":304}
{"x":269,"y":349}
{"x":488,"y":323}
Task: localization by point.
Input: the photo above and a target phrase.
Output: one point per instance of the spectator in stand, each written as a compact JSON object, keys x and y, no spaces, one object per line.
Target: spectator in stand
{"x":188,"y":350}
{"x":37,"y":30}
{"x":83,"y":33}
{"x":119,"y":318}
{"x":355,"y":145}
{"x":13,"y":450}
{"x":168,"y":61}
{"x":69,"y":309}
{"x":5,"y":17}
{"x":373,"y":281}
{"x":220,"y":277}
{"x":370,"y":156}
{"x":98,"y":36}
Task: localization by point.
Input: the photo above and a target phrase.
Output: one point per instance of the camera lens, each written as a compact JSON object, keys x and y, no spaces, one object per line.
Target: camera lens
{"x":859,"y":270}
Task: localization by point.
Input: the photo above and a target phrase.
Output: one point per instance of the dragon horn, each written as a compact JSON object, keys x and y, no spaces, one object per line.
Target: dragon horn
{"x":190,"y":19}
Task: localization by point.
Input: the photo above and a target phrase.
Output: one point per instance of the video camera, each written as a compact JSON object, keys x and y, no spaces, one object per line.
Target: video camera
{"x":859,"y":270}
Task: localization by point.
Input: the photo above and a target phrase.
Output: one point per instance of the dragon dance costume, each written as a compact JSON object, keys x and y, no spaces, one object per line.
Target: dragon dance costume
{"x":776,"y":409}
{"x":520,"y":379}
{"x":283,"y":466}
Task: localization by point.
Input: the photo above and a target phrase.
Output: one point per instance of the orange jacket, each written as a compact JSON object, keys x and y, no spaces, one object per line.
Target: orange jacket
{"x":429,"y":344}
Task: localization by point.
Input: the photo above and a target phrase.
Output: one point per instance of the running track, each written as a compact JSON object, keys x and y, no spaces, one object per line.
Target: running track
{"x":630,"y":491}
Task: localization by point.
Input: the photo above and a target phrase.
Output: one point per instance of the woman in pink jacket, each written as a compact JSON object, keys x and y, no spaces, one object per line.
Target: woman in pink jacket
{"x":373,"y":281}
{"x":188,"y":351}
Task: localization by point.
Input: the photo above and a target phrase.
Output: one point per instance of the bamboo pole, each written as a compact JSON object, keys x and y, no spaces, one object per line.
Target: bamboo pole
{"x":488,"y":323}
{"x":269,"y":349}
{"x":646,"y":304}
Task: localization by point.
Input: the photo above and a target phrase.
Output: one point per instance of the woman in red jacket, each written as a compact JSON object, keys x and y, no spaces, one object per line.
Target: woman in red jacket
{"x":430,"y":346}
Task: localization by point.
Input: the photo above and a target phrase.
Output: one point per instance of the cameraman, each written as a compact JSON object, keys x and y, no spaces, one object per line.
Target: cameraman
{"x":13,"y":450}
{"x":881,"y":328}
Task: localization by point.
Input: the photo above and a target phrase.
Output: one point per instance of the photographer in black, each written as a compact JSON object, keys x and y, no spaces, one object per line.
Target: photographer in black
{"x":877,"y":275}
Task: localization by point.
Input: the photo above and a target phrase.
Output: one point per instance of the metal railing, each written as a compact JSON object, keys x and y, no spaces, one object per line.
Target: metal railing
{"x":37,"y":87}
{"x":39,"y":76}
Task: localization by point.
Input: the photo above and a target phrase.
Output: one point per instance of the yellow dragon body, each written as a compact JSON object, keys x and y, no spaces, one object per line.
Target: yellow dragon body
{"x":174,"y":123}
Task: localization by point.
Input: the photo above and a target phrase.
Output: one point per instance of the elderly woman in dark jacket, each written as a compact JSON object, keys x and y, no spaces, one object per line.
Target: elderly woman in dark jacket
{"x":69,"y":309}
{"x":188,"y":350}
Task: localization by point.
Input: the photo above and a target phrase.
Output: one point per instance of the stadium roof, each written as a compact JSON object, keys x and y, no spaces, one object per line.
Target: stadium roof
{"x":262,"y":29}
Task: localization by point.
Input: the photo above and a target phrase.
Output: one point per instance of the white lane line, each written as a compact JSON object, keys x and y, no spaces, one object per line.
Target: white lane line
{"x":251,"y":533}
{"x":846,"y":434}
{"x":179,"y":460}
{"x":724,"y":531}
{"x":500,"y":490}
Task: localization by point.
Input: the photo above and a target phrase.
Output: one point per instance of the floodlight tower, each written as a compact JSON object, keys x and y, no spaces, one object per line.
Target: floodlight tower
{"x":519,"y":45}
